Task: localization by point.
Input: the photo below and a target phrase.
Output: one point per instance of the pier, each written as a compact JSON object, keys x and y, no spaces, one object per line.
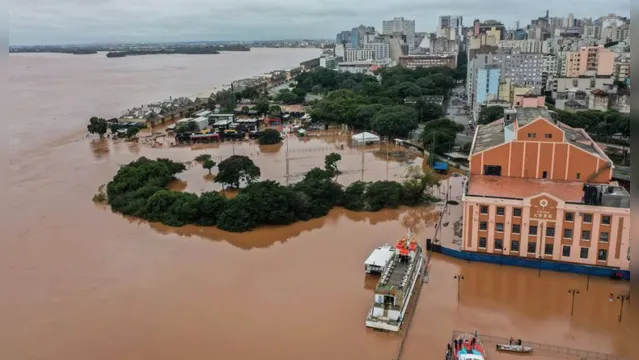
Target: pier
{"x":545,"y":349}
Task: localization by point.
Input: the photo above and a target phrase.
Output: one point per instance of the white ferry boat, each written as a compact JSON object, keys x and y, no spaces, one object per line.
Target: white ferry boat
{"x":378,"y":259}
{"x":396,"y":285}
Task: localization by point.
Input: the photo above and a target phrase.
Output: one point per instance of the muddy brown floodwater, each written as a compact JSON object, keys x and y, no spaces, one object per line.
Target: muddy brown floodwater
{"x":81,"y":282}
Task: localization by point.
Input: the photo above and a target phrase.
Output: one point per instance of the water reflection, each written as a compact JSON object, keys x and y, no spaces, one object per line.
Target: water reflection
{"x":266,"y":236}
{"x":370,"y":281}
{"x":134,"y":147}
{"x":270,"y":149}
{"x":99,"y":148}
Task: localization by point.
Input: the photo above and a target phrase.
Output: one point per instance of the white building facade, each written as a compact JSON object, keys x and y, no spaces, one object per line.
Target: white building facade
{"x":380,"y":50}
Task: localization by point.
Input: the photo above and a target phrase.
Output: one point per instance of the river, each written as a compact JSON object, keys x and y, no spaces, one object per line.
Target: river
{"x":80,"y":282}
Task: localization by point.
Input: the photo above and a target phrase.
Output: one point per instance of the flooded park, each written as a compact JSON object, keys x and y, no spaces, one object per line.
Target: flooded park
{"x":82,"y":282}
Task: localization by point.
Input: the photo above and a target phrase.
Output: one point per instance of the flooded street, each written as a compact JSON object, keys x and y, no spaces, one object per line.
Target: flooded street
{"x":81,"y":282}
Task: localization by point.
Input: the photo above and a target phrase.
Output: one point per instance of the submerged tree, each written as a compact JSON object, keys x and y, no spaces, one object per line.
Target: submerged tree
{"x":203,"y":158}
{"x":208,"y":164}
{"x":416,"y":181}
{"x":269,"y":137}
{"x":330,"y":163}
{"x":97,"y":126}
{"x":237,"y":169}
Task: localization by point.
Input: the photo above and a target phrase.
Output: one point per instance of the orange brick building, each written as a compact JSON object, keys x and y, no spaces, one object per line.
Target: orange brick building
{"x":541,"y":189}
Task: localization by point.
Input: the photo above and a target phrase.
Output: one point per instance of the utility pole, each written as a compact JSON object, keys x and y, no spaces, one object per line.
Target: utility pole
{"x":573,"y":292}
{"x":623,"y":298}
{"x":459,"y":278}
{"x":387,"y":158}
{"x":587,"y":280}
{"x":287,"y":166}
{"x":362,"y":165}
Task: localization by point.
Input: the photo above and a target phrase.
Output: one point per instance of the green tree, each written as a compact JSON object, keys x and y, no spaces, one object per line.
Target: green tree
{"x":354,"y":196}
{"x":489,"y":114}
{"x":383,"y":194}
{"x":275,"y":110}
{"x":416,"y":181}
{"x":97,"y":126}
{"x":237,"y":216}
{"x":237,"y":169}
{"x":330,"y":163}
{"x":208,"y":164}
{"x":132,"y":131}
{"x":428,"y":111}
{"x":395,"y":121}
{"x":172,"y":208}
{"x":262,"y":106}
{"x":442,"y":132}
{"x":226,"y":99}
{"x":319,"y":191}
{"x":287,"y":97}
{"x":203,"y":157}
{"x":269,"y":137}
{"x":211,"y":204}
{"x":186,"y":127}
{"x":364,"y":115}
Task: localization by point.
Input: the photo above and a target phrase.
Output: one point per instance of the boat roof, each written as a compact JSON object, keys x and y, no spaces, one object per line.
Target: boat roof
{"x":470,"y":357}
{"x":380,"y":256}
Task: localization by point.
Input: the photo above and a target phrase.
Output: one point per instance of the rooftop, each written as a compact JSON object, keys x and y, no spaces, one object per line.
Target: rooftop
{"x":520,"y":188}
{"x":612,"y":195}
{"x":495,"y":133}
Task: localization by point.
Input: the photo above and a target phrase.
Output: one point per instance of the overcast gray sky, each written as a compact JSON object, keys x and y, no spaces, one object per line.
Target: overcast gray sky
{"x":89,"y":21}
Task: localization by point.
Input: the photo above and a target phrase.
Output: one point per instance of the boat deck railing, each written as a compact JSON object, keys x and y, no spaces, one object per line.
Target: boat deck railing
{"x":562,"y":351}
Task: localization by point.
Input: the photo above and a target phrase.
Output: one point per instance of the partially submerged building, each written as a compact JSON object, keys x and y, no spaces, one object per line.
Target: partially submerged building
{"x":540,"y":189}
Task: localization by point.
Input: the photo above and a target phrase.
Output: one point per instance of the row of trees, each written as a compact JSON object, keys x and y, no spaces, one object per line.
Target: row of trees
{"x":601,"y":124}
{"x":391,"y":106}
{"x":100,"y":126}
{"x":139,"y":189}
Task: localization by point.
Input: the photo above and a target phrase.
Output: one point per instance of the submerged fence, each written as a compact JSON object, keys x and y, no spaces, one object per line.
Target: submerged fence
{"x":559,"y":351}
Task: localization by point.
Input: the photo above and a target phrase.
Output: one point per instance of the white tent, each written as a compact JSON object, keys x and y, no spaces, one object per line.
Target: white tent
{"x":365,"y":138}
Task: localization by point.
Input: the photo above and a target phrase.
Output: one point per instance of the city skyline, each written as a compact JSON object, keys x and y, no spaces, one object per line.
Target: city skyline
{"x":36,"y":22}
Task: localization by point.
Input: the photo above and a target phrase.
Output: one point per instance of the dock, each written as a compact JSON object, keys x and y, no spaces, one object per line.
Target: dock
{"x":548,"y":349}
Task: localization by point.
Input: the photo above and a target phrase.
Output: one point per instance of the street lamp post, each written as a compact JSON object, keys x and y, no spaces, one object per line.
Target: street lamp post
{"x":459,"y":278}
{"x":623,"y":298}
{"x":573,"y":292}
{"x":540,"y":259}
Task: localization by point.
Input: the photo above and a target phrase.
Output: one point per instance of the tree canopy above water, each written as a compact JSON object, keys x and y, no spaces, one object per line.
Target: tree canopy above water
{"x":140,"y":189}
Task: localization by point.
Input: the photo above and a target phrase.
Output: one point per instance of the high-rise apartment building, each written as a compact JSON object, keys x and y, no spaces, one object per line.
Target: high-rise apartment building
{"x":352,"y":55}
{"x":450,"y":27}
{"x":442,"y":45}
{"x":540,"y":189}
{"x":398,"y":24}
{"x":522,"y":70}
{"x":487,"y":86}
{"x":359,"y":36}
{"x":528,"y":46}
{"x":615,"y":32}
{"x":343,"y":37}
{"x":381,"y":50}
{"x":550,"y":65}
{"x":590,"y":61}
